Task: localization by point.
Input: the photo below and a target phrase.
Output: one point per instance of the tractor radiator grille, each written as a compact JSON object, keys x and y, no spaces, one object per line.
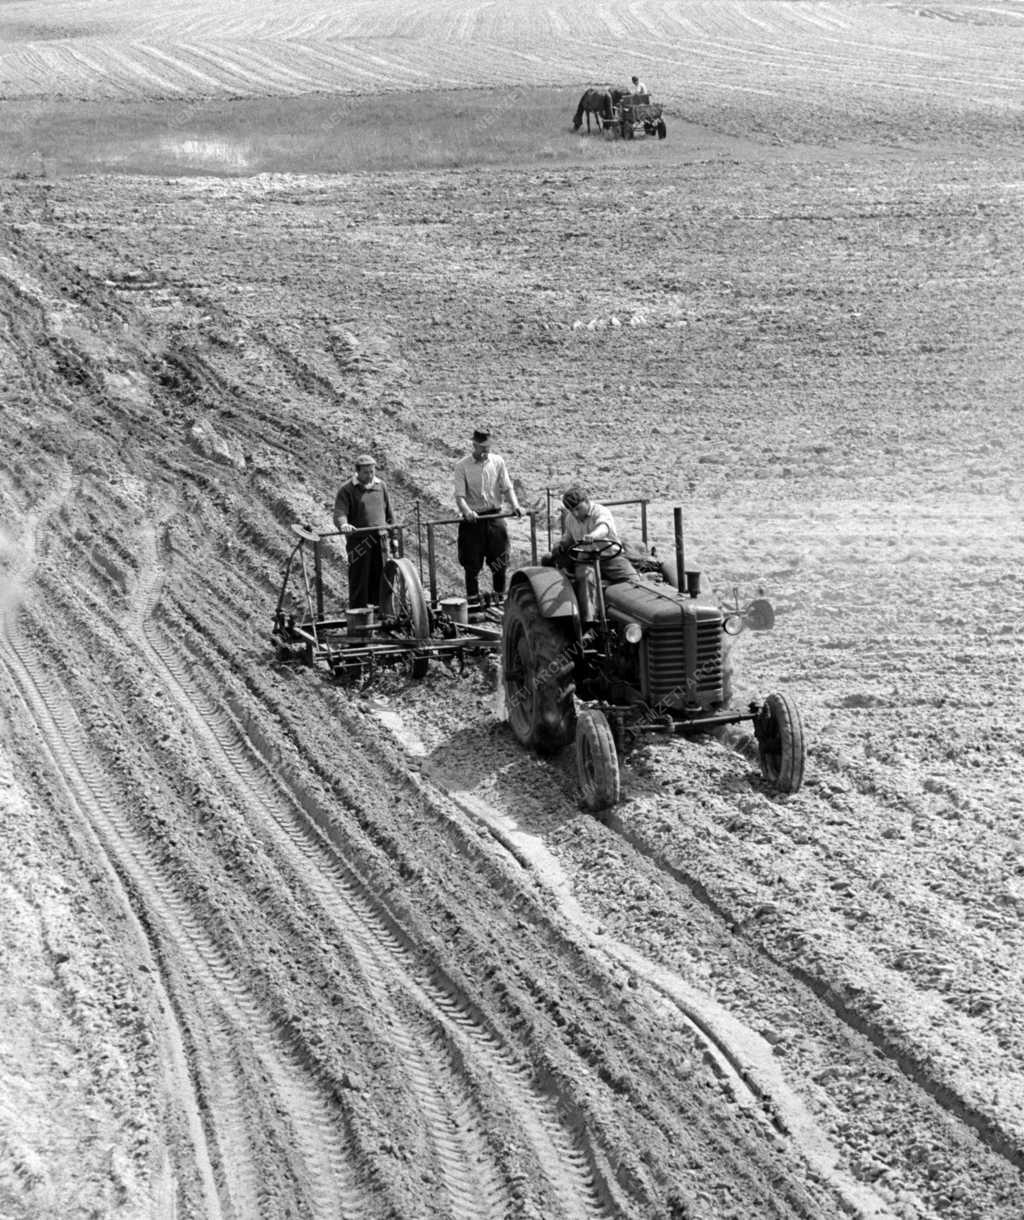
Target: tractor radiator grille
{"x":666,"y":666}
{"x":709,"y":656}
{"x":684,"y":661}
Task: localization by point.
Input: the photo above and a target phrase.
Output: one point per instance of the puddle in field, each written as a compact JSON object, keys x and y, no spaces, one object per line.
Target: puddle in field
{"x":210,"y":154}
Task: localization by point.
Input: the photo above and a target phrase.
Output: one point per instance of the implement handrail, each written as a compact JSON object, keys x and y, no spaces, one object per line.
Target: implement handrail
{"x":485,"y":517}
{"x":314,"y":538}
{"x":362,"y":529}
{"x":643,"y":501}
{"x":431,"y":551}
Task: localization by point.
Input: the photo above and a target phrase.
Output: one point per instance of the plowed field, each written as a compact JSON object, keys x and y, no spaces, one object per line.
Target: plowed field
{"x":277,"y":946}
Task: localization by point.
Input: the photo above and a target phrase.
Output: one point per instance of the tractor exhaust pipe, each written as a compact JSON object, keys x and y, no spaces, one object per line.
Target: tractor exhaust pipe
{"x":677,"y":524}
{"x":686,"y":582}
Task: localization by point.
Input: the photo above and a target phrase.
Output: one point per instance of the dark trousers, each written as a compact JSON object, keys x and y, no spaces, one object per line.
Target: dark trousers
{"x":613,"y":571}
{"x":365,"y":569}
{"x":484,"y":540}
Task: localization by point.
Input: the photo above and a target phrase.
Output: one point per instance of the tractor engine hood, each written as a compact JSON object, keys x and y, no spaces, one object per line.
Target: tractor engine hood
{"x":648,"y":604}
{"x":679,"y":658}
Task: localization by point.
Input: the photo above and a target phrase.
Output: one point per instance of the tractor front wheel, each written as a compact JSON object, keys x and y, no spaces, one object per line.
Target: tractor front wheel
{"x":537,"y":661}
{"x":596,"y":760}
{"x":661,"y":129}
{"x":780,"y":743}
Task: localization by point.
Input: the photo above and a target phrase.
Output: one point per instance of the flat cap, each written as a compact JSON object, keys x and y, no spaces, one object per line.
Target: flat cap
{"x":481,"y":434}
{"x":574,"y":495}
{"x":365,"y":459}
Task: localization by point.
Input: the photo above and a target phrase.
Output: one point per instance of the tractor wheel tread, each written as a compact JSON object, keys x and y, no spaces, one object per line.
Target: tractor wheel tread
{"x":780,"y":740}
{"x":597,"y":761}
{"x":541,"y":703}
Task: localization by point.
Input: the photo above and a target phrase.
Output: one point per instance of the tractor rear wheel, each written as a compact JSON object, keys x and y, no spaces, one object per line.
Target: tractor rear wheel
{"x":536,"y":654}
{"x":780,"y":743}
{"x":596,"y":760}
{"x":403,"y":603}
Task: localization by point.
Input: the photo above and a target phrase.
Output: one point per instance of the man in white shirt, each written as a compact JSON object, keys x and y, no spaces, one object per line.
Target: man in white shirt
{"x":588,"y":521}
{"x":482,"y":488}
{"x":637,"y":87}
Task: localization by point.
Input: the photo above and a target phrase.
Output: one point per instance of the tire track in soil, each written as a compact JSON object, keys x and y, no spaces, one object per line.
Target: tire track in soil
{"x":177,"y":937}
{"x":327,"y":1158}
{"x":231,"y":1029}
{"x":761,"y":1092}
{"x":746,"y":1073}
{"x":445,"y":1046}
{"x":80,"y":798}
{"x":911,"y":1065}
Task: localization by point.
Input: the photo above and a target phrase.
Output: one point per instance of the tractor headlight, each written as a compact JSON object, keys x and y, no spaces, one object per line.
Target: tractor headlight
{"x":634,"y":633}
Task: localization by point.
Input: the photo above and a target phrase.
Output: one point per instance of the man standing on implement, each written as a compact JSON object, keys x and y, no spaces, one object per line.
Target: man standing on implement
{"x":363,"y":504}
{"x":482,"y":487}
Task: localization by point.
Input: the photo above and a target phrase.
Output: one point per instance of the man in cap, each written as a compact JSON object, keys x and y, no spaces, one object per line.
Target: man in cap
{"x":482,"y":488}
{"x":363,"y":504}
{"x":588,"y":521}
{"x":637,"y":87}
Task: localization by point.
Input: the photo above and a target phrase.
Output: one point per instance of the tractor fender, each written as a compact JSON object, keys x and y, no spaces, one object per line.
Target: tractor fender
{"x":552,"y":589}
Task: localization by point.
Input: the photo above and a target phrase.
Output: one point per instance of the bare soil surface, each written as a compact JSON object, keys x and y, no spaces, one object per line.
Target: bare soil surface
{"x":276,"y":946}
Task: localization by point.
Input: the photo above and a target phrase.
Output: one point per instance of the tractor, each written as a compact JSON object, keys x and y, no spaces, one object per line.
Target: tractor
{"x":605,"y":664}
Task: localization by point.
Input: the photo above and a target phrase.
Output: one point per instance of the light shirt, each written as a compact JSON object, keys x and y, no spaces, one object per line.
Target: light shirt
{"x":598,"y":515}
{"x":483,"y":484}
{"x":639,"y":87}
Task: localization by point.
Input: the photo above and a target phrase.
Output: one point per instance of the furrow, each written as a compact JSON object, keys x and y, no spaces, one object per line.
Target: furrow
{"x":469,"y":1176}
{"x":430,"y":1074}
{"x":382,"y":956}
{"x":365,"y":926}
{"x":174,"y":923}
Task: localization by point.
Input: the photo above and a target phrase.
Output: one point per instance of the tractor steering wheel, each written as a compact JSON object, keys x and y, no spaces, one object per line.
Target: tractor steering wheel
{"x":602,"y":548}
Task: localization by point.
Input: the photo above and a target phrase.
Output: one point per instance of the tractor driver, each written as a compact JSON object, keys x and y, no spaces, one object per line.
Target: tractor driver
{"x":588,"y":521}
{"x":637,"y":87}
{"x":363,"y":504}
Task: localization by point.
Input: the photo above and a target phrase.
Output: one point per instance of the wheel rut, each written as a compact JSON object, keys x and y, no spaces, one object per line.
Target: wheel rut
{"x":738,"y":1059}
{"x":88,"y":800}
{"x":451,"y":1058}
{"x":854,"y":1018}
{"x":232,"y":1051}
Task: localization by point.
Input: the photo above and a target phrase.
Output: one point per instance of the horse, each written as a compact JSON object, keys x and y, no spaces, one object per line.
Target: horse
{"x":597,"y":102}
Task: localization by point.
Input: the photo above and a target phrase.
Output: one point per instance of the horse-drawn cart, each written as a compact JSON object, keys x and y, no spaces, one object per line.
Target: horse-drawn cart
{"x":636,"y":115}
{"x":640,"y":116}
{"x":620,"y":113}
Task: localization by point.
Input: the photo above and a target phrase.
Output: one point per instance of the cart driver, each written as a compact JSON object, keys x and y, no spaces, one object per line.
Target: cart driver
{"x":363,"y":504}
{"x":637,"y":87}
{"x":586,"y":520}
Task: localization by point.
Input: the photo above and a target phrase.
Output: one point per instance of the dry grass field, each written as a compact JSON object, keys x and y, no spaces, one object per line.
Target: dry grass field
{"x":275,"y":946}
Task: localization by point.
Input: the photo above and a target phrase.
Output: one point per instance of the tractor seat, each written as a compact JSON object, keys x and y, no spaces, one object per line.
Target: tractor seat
{"x":647,"y":565}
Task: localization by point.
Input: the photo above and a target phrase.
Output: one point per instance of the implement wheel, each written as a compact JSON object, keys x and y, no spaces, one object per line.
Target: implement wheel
{"x":537,"y":660}
{"x":596,"y":760}
{"x":780,"y":743}
{"x":404,"y":606}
